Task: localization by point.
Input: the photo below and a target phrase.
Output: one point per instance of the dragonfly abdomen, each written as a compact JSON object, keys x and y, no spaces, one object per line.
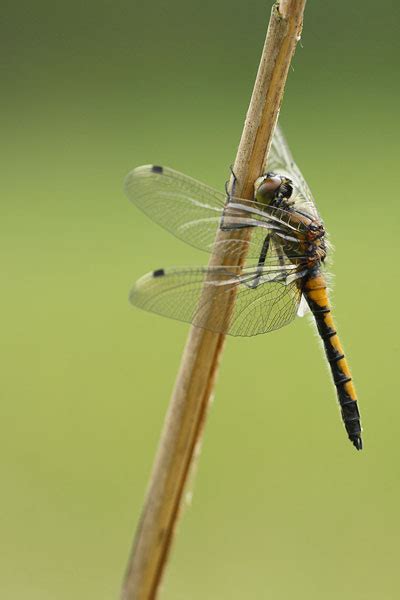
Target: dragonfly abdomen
{"x":315,"y":291}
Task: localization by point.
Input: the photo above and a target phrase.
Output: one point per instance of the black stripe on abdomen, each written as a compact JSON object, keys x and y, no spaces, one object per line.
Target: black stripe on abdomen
{"x":317,"y":299}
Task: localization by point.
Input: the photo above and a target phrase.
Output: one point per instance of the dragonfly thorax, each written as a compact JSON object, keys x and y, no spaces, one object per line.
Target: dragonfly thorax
{"x":271,"y":188}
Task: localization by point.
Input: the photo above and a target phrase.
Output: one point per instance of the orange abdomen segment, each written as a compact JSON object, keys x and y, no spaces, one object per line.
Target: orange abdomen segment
{"x":315,"y":292}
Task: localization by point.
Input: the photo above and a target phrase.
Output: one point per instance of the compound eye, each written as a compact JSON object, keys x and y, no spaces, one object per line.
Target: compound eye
{"x":267,"y":188}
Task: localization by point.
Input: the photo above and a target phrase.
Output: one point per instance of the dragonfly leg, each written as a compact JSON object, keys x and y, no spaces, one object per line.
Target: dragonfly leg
{"x":279,"y":251}
{"x":234,"y":180}
{"x":232,"y":192}
{"x":261,"y":262}
{"x":229,"y":194}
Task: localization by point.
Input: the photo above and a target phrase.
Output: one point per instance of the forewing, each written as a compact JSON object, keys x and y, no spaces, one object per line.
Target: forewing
{"x":184,"y":206}
{"x":193,"y":212}
{"x":280,"y":161}
{"x":265,"y":298}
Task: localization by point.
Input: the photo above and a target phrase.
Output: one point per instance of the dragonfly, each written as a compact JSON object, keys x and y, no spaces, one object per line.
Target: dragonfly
{"x":272,"y":248}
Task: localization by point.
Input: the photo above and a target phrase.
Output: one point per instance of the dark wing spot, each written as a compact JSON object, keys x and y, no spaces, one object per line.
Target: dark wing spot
{"x":156,"y":169}
{"x":158,"y":273}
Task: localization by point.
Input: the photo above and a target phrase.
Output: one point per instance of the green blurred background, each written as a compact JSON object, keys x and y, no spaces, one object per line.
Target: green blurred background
{"x":283,"y":505}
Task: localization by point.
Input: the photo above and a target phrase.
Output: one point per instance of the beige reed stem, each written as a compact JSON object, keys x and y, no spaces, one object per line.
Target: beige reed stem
{"x":195,"y":382}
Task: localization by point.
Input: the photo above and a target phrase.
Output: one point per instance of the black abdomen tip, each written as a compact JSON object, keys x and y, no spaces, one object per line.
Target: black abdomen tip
{"x":156,"y":169}
{"x":356,"y":441}
{"x":158,"y":273}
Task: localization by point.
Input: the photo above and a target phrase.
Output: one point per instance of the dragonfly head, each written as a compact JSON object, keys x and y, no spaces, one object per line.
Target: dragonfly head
{"x":270,"y":186}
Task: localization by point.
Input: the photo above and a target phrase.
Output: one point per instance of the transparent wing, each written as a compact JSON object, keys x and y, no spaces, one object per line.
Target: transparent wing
{"x":184,"y":206}
{"x":280,"y":160}
{"x":266,"y":298}
{"x":193,"y":212}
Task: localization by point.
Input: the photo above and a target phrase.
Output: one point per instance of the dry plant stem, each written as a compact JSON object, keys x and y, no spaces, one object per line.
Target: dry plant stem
{"x":196,"y":378}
